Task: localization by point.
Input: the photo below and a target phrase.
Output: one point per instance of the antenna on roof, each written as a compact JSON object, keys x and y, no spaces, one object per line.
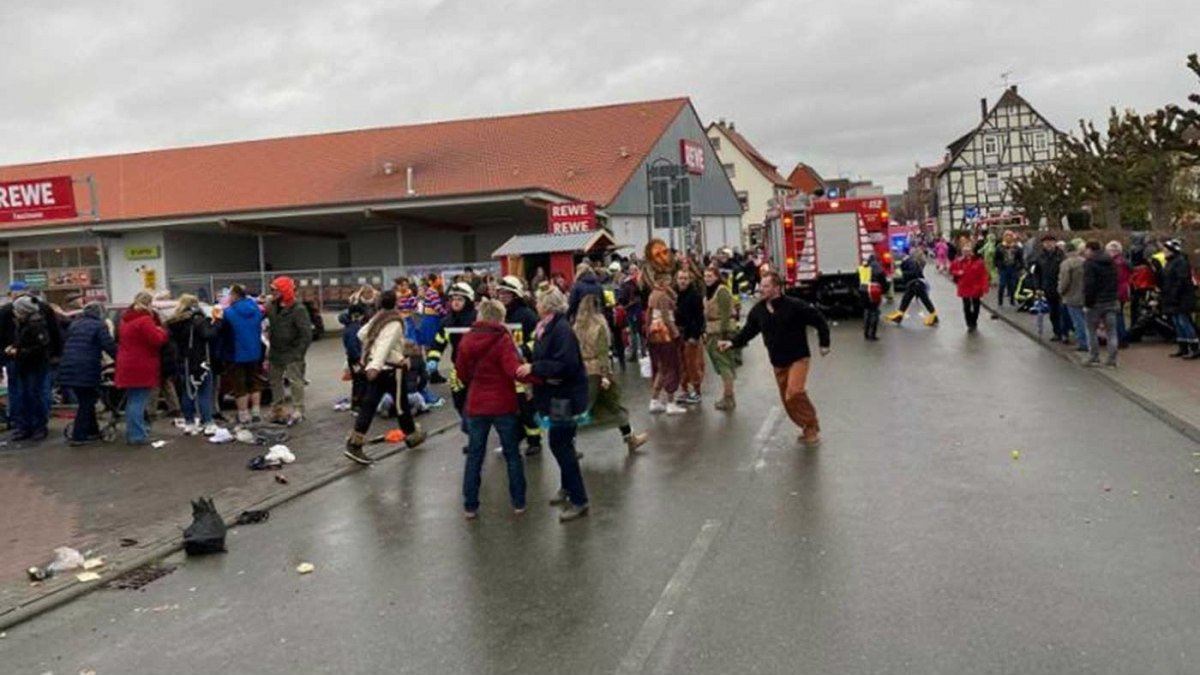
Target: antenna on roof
{"x":1007,"y":80}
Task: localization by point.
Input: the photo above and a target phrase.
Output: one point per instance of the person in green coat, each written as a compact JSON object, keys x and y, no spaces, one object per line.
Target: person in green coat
{"x":290,"y":334}
{"x":720,"y":320}
{"x":989,"y":258}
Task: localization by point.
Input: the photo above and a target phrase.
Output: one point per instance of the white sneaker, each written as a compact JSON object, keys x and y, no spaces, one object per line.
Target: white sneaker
{"x":210,"y":428}
{"x":180,"y":423}
{"x":192,"y":429}
{"x":656,"y":406}
{"x":674,"y":408}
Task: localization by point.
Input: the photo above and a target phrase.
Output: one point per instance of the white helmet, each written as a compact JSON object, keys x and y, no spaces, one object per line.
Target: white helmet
{"x":463,"y":290}
{"x":512,"y":284}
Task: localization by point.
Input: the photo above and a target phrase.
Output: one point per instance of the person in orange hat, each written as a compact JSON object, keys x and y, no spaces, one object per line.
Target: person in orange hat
{"x":290,"y":334}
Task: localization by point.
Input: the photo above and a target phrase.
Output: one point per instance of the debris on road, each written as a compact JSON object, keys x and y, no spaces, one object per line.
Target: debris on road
{"x":222,"y":436}
{"x":1135,"y":493}
{"x":1016,"y":454}
{"x":126,"y":542}
{"x":281,"y":479}
{"x":206,"y":534}
{"x":280,"y":453}
{"x":93,"y":563}
{"x":250,"y":517}
{"x":305,"y":568}
{"x":85,"y":577}
{"x":65,"y":558}
{"x":158,"y":445}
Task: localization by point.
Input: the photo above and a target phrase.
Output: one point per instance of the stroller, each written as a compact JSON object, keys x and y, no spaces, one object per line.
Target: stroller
{"x":112,"y":407}
{"x":1152,"y":320}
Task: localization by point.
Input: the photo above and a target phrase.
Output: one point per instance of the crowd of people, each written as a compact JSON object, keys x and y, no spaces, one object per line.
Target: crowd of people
{"x":1088,"y":291}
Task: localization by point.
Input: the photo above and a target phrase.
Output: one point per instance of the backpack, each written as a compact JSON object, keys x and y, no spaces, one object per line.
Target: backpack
{"x":33,"y":339}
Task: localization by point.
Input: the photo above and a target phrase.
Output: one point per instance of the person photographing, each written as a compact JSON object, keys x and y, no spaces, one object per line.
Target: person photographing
{"x":783,"y":322}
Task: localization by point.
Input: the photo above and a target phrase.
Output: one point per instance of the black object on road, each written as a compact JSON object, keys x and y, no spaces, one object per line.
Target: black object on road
{"x":253,"y":516}
{"x":206,"y":534}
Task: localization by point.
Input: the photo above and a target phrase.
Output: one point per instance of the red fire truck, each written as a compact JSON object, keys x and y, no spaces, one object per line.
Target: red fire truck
{"x":817,"y":245}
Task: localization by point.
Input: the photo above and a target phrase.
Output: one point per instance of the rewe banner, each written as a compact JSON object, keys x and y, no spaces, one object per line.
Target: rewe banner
{"x":37,"y":199}
{"x":572,"y":217}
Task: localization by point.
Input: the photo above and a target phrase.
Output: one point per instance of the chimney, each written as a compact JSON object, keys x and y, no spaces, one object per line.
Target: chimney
{"x":983,"y":108}
{"x":731,"y":127}
{"x":1013,"y":88}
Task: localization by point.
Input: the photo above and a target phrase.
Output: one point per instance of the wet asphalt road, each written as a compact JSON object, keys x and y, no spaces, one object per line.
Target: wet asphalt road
{"x":910,"y":542}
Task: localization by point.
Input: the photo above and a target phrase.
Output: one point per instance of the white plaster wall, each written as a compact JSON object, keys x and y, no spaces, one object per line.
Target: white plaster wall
{"x":126,"y":276}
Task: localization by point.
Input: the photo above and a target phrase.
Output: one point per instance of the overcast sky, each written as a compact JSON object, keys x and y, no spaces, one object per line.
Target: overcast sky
{"x":853,"y":88}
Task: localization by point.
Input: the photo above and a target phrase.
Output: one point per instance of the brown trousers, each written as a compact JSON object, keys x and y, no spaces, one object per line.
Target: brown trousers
{"x":693,"y":365}
{"x":792,"y":392}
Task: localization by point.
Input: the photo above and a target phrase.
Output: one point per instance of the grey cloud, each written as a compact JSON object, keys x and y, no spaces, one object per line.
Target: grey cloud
{"x":862,"y":88}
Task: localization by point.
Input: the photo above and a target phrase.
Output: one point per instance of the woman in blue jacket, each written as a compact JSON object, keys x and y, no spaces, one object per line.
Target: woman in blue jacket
{"x":87,"y":340}
{"x":560,"y":393}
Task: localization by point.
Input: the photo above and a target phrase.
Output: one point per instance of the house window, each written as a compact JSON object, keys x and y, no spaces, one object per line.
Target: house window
{"x":993,"y":184}
{"x":991,"y":145}
{"x":729,"y":171}
{"x":716,"y":142}
{"x":744,"y":200}
{"x":1040,"y":141}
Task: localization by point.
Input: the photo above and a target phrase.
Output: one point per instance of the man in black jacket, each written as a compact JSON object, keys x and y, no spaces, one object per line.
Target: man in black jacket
{"x":1100,"y":301}
{"x":1046,"y":267}
{"x":1179,"y":299}
{"x":35,"y":344}
{"x":784,"y":322}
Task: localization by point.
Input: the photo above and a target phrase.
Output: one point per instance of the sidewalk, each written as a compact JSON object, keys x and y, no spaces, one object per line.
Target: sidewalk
{"x":1168,"y":388}
{"x":90,"y":498}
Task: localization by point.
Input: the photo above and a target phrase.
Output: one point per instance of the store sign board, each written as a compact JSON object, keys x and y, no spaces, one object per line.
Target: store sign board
{"x":572,"y":217}
{"x":142,"y":252}
{"x":37,"y":199}
{"x":691,"y":156}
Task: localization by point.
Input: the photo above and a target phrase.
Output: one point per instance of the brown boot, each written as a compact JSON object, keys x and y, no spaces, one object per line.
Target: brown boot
{"x":415,"y":438}
{"x":726,"y":404}
{"x":354,"y":450}
{"x":635,"y":441}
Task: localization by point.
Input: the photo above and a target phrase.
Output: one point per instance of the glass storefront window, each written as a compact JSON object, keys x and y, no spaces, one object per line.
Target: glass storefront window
{"x":25,"y":260}
{"x":89,"y":256}
{"x":60,"y":257}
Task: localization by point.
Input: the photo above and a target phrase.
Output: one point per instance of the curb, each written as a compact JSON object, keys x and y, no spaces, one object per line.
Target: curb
{"x":60,"y":595}
{"x":1188,"y":429}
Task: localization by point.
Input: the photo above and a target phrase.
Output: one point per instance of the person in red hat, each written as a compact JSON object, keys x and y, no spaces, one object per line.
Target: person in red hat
{"x":290,"y":332}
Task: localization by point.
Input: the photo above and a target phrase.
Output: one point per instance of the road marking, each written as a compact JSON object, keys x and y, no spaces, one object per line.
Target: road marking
{"x":768,"y":425}
{"x":656,"y":624}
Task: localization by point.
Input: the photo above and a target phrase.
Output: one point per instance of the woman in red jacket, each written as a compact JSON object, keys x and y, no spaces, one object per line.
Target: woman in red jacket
{"x":140,"y":337}
{"x":486,"y":361}
{"x":971,"y":276}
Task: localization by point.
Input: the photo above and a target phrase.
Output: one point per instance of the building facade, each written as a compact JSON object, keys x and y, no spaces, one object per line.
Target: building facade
{"x":343,"y":209}
{"x":1011,"y":140}
{"x":755,"y":179}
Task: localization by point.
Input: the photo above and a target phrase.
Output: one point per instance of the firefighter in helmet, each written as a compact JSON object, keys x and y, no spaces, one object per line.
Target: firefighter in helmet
{"x":511,"y":291}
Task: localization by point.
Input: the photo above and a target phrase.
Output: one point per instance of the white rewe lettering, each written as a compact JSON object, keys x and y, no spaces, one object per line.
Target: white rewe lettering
{"x":3,"y":198}
{"x":47,"y":194}
{"x":31,"y":194}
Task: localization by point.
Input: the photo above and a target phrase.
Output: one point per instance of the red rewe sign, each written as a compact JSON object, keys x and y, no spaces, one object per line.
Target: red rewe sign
{"x":691,"y":156}
{"x":572,"y":217}
{"x":37,"y":199}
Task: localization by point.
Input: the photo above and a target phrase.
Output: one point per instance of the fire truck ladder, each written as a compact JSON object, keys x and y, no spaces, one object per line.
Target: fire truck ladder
{"x":806,"y":262}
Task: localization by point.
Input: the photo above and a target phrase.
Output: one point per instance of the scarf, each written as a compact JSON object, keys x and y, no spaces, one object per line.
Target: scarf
{"x":541,"y":326}
{"x":381,"y":319}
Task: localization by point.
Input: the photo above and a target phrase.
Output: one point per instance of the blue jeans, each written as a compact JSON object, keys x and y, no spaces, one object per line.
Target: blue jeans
{"x":1008,"y":285}
{"x":1184,"y":330}
{"x":508,"y":428}
{"x":136,"y":430}
{"x":1079,"y":324}
{"x":32,"y":398}
{"x":16,"y":412}
{"x":562,"y":445}
{"x":1107,"y":316}
{"x":200,"y":400}
{"x":1122,"y":329}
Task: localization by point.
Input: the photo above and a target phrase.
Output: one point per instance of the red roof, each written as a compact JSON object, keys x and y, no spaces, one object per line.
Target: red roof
{"x":805,"y":179}
{"x":586,"y":153}
{"x":767,"y":169}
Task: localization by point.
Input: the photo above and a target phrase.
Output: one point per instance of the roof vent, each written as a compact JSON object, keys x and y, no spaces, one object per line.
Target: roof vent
{"x":389,"y":168}
{"x":624,"y":152}
{"x":411,"y":190}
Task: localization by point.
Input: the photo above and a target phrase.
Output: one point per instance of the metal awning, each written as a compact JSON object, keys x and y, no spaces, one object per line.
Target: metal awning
{"x":532,"y":244}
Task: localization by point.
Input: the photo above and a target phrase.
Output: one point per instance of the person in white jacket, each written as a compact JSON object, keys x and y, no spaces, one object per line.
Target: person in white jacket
{"x":383,"y":362}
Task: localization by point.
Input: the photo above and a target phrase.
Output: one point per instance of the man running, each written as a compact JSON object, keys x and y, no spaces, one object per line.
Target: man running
{"x":784,"y":322}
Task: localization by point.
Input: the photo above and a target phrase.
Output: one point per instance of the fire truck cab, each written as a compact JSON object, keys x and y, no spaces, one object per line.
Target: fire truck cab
{"x":818,"y":245}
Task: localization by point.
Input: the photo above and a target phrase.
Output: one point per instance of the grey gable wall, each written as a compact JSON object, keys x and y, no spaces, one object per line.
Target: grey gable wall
{"x":712,"y":194}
